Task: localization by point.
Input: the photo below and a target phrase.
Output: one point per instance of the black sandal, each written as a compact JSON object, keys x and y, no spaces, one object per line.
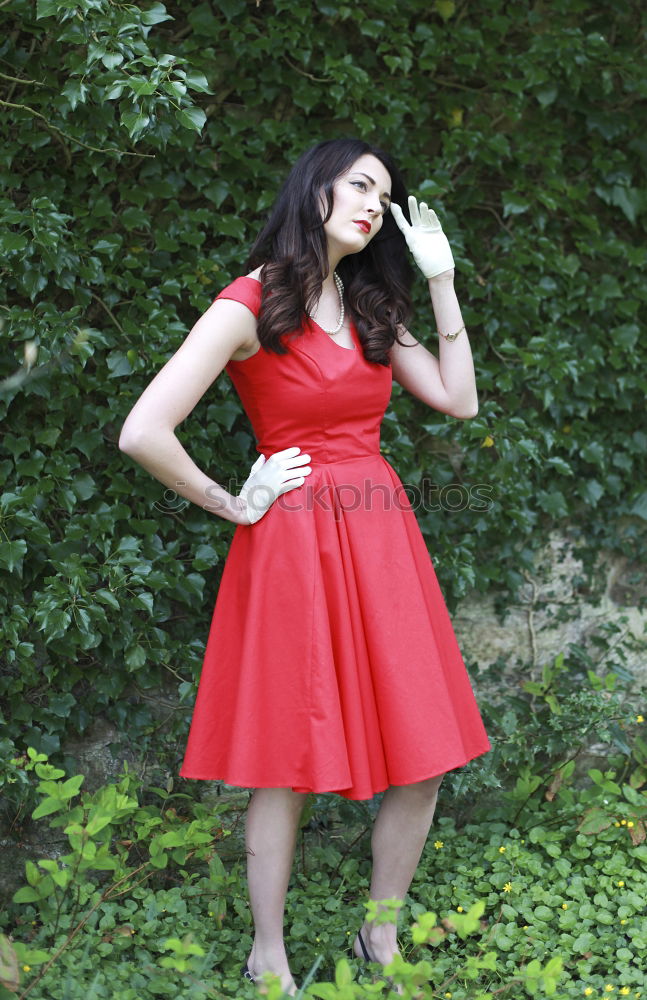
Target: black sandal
{"x":367,"y":957}
{"x":247,"y":974}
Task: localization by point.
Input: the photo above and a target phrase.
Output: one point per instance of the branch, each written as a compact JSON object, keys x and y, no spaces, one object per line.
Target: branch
{"x":297,"y":69}
{"x":498,"y":218}
{"x":19,"y":79}
{"x":95,"y":149}
{"x":109,"y":311}
{"x":459,"y":86}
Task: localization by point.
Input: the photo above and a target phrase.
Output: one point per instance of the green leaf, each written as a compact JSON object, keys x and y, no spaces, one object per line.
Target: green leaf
{"x":46,"y":8}
{"x":192,"y":118}
{"x":639,"y":506}
{"x":513,"y":203}
{"x":71,"y":787}
{"x":12,"y":554}
{"x":107,"y":597}
{"x":47,"y":807}
{"x":12,"y":241}
{"x":446,"y":8}
{"x":343,"y":974}
{"x":230,"y":8}
{"x":135,"y":122}
{"x":198,"y":81}
{"x":26,"y":895}
{"x":155,"y":14}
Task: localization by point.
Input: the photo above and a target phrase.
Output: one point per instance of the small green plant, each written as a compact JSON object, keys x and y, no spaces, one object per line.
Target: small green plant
{"x":115,"y":843}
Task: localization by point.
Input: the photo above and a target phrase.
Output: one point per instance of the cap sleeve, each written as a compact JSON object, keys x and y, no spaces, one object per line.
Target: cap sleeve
{"x":245,"y":290}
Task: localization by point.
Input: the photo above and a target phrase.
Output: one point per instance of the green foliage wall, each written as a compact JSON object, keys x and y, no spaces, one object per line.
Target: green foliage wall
{"x":141,"y":148}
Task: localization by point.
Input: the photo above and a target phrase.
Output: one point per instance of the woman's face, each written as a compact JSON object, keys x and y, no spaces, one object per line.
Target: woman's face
{"x":361,"y":197}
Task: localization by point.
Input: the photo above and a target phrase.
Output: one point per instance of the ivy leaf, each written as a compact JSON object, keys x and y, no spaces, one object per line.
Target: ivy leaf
{"x":198,"y":81}
{"x":12,"y":554}
{"x":46,"y":8}
{"x":514,"y":204}
{"x":192,"y":118}
{"x":155,"y":15}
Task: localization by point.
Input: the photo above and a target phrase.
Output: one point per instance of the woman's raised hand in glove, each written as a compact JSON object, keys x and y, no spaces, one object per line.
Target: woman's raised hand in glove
{"x":425,"y":238}
{"x":282,"y":471}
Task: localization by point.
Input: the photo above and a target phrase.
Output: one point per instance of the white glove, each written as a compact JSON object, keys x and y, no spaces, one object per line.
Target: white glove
{"x":425,"y":238}
{"x":283,"y":471}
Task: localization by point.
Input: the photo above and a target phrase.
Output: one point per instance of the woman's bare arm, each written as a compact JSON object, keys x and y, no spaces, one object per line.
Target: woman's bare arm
{"x":148,"y":432}
{"x":446,"y":383}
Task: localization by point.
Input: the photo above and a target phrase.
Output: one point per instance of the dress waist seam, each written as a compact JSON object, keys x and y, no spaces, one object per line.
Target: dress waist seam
{"x":366,"y":455}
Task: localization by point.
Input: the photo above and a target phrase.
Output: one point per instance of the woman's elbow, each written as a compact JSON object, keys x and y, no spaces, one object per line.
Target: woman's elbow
{"x":129,"y":439}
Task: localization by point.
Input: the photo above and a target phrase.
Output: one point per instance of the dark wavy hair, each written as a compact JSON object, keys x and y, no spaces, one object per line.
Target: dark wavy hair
{"x":292,"y":250}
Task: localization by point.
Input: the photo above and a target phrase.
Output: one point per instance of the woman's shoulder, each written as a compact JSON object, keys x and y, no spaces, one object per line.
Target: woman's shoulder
{"x":245,"y":289}
{"x":248,"y":291}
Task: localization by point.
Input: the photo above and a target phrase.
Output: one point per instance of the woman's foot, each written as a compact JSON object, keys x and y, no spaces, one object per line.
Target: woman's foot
{"x":378,"y":943}
{"x":275,"y":962}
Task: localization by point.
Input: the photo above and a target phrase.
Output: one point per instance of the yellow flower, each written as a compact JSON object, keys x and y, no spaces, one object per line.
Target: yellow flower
{"x":608,"y":988}
{"x":502,"y":850}
{"x":629,"y":824}
{"x":459,"y":909}
{"x":640,"y":718}
{"x":487,"y":442}
{"x":616,"y":823}
{"x":623,"y":822}
{"x":588,"y":991}
{"x":625,"y":991}
{"x":620,"y":884}
{"x":26,"y":968}
{"x":507,"y":887}
{"x":438,"y":844}
{"x":623,"y":921}
{"x":565,"y":906}
{"x":448,"y":994}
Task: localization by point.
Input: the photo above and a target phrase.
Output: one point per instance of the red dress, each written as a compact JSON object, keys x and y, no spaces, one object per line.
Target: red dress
{"x":331,"y":663}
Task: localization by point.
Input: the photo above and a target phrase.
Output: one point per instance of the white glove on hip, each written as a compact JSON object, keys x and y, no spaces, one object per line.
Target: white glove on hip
{"x":282,"y":471}
{"x":425,"y":238}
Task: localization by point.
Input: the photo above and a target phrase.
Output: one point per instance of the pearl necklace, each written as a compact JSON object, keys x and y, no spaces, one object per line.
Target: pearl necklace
{"x":340,"y":289}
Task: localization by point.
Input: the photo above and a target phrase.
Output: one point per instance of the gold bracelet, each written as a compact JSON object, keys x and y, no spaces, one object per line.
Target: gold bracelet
{"x":451,"y":336}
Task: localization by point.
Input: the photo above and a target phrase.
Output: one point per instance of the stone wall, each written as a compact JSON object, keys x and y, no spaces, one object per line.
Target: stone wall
{"x":550,"y":613}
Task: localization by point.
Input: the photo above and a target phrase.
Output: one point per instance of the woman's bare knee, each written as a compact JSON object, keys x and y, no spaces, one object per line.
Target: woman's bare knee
{"x":285,"y":798}
{"x":425,"y":790}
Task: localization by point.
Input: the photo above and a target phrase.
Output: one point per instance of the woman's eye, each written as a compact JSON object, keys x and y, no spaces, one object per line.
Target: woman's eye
{"x":360,"y":184}
{"x":385,"y":207}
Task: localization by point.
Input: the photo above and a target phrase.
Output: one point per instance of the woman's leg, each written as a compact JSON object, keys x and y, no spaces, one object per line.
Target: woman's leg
{"x":399,"y":835}
{"x":271,"y":830}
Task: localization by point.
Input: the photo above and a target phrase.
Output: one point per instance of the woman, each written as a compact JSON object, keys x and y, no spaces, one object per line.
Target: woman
{"x":331,"y":664}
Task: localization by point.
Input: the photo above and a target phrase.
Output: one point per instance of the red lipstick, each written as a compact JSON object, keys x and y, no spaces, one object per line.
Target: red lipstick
{"x":366,"y":226}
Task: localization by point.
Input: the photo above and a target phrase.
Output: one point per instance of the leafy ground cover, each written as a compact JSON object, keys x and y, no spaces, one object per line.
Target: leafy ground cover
{"x":146,"y":897}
